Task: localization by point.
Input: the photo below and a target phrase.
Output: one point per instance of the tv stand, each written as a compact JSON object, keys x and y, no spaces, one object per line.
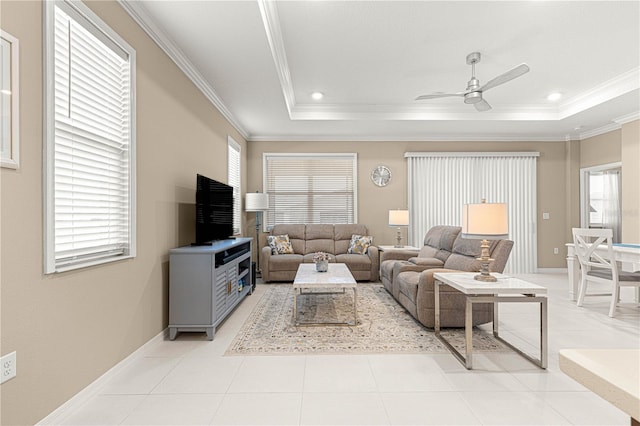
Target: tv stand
{"x":206,"y":283}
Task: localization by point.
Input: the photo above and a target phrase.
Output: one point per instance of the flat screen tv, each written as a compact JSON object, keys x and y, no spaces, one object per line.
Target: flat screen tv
{"x":214,"y":211}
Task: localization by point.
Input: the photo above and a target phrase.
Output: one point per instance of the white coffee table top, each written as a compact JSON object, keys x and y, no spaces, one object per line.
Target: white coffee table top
{"x":465,"y":283}
{"x":338,"y":276}
{"x":614,"y":374}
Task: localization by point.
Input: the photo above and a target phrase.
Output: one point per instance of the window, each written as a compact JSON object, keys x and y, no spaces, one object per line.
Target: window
{"x":89,"y":185}
{"x":601,"y":198}
{"x":441,"y":183}
{"x":233,"y":177}
{"x":310,"y":188}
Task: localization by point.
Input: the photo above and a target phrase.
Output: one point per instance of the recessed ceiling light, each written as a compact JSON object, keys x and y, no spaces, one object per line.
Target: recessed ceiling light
{"x":317,"y":95}
{"x":554,"y":96}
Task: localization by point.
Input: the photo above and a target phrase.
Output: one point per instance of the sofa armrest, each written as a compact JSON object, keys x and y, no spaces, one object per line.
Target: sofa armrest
{"x":374,"y":256}
{"x":265,"y":256}
{"x":426,"y":281}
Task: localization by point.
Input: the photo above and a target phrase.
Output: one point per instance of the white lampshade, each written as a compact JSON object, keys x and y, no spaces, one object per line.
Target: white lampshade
{"x":256,"y":202}
{"x":485,"y":221}
{"x":398,"y":217}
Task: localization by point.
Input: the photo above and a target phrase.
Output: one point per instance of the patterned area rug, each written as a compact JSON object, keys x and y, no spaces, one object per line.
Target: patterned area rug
{"x":383,"y":326}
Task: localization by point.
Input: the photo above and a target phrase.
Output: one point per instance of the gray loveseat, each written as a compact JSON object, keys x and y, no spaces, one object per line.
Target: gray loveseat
{"x":309,"y":239}
{"x":410,"y":280}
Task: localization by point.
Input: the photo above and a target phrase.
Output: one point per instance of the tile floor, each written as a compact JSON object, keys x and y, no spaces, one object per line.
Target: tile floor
{"x":189,"y":381}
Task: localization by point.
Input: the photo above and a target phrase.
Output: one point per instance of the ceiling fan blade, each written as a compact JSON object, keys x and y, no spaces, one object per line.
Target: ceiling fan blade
{"x":438,"y":95}
{"x":507,"y":76}
{"x":482,"y":106}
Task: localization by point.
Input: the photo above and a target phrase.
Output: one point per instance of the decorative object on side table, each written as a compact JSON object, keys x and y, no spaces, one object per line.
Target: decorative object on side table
{"x":399,"y":218}
{"x":485,"y":221}
{"x":321,"y":259}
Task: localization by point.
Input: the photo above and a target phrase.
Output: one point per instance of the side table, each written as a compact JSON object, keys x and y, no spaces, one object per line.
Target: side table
{"x":506,"y":289}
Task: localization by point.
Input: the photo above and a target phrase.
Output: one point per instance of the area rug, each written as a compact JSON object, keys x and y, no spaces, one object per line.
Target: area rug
{"x":383,"y":326}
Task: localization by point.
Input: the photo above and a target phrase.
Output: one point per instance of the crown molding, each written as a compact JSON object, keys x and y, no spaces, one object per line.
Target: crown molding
{"x":600,"y":131}
{"x":617,"y":86}
{"x":628,"y":118}
{"x":271,"y":22}
{"x":168,"y":46}
{"x":430,"y":138}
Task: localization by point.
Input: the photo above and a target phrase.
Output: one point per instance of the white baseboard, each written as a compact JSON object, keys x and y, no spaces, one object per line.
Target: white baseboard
{"x":59,"y":414}
{"x":552,"y":270}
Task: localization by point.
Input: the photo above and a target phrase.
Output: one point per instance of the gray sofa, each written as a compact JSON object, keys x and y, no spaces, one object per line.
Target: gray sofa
{"x":410,"y":280}
{"x":309,"y":239}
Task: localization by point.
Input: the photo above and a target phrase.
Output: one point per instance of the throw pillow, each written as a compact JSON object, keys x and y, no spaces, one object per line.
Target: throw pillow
{"x":280,"y":244}
{"x":359,"y":244}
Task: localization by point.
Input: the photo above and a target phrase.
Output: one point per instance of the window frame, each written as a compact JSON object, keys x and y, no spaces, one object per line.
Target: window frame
{"x":265,"y":185}
{"x":96,"y":26}
{"x":237,"y":191}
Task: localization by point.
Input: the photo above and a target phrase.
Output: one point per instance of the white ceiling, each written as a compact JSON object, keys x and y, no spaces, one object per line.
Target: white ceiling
{"x":259,"y":61}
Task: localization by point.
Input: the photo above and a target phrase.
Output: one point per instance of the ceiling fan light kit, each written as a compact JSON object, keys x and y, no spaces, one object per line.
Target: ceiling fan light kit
{"x":473,"y":94}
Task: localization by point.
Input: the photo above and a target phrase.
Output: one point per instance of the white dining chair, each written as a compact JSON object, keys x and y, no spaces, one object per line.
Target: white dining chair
{"x":600,"y":268}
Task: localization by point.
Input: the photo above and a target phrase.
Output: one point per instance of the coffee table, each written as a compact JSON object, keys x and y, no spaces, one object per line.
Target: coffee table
{"x":506,"y":289}
{"x":337,"y":276}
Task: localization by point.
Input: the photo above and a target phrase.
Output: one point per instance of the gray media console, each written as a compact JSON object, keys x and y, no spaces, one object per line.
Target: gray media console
{"x":206,"y":283}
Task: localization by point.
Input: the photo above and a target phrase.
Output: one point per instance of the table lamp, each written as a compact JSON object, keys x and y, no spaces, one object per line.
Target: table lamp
{"x":485,"y":221}
{"x":257,"y":202}
{"x":399,"y":218}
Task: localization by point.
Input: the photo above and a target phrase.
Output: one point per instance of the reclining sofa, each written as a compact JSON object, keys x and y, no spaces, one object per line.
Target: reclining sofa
{"x":309,"y":239}
{"x":409,"y":278}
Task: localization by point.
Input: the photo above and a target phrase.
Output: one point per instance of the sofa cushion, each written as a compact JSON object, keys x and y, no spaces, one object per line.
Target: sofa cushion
{"x":285,"y":262}
{"x":355,"y":262}
{"x":319,"y":237}
{"x":342,"y":235}
{"x":296,"y":234}
{"x":359,"y":244}
{"x":427,"y":261}
{"x":280,"y":244}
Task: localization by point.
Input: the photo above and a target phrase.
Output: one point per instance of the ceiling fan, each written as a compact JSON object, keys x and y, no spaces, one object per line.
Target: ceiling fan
{"x":473,"y":93}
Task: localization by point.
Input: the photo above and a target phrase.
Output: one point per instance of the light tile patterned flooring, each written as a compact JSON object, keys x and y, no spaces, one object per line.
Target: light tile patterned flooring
{"x":189,"y":381}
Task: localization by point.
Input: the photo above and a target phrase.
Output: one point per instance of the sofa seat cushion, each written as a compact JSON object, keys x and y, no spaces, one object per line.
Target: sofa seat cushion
{"x":427,"y":261}
{"x":285,"y":262}
{"x":356,"y":262}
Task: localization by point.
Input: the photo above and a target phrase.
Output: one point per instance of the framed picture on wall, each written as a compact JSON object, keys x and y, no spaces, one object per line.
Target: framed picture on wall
{"x":9,"y":135}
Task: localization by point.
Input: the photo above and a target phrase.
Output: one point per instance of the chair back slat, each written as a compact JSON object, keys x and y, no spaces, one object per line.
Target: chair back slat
{"x":586,"y":241}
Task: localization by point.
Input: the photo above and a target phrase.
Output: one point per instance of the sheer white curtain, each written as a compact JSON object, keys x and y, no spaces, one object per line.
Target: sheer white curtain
{"x":440,"y":183}
{"x":611,"y":215}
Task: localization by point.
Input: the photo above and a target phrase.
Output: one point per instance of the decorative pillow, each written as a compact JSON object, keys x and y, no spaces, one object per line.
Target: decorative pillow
{"x":359,"y":244}
{"x":280,"y":244}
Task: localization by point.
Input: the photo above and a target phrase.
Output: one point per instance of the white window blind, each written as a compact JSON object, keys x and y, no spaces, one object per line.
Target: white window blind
{"x":90,"y":203}
{"x":310,"y":188}
{"x":234,"y":179}
{"x":440,"y":183}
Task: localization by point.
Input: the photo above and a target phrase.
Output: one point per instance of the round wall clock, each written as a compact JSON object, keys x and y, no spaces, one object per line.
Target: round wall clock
{"x":381,"y":175}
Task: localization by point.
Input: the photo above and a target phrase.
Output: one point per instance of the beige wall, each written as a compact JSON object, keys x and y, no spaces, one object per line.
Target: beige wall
{"x":70,"y":328}
{"x":374,"y":202}
{"x":601,"y":149}
{"x":630,"y":147}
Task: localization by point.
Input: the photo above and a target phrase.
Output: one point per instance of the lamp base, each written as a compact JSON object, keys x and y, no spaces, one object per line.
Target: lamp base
{"x":398,"y":239}
{"x":485,"y":261}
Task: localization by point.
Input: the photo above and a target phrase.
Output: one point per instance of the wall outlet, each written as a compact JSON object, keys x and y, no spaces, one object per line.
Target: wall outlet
{"x":8,"y":367}
{"x":545,"y":216}
{"x":555,"y":250}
